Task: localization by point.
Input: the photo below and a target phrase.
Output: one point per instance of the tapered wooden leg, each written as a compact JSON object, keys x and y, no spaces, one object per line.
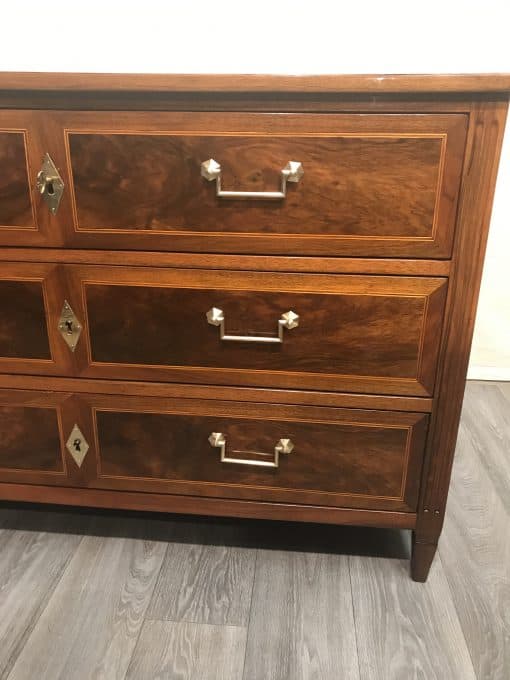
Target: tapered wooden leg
{"x":421,"y":559}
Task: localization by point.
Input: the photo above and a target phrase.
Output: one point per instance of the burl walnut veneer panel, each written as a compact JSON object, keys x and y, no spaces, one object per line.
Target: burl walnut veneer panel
{"x":340,"y":457}
{"x":23,"y":327}
{"x":372,"y":184}
{"x":367,"y":334}
{"x":15,"y":200}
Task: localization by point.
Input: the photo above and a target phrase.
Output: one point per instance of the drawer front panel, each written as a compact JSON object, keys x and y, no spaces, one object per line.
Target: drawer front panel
{"x":16,"y":209}
{"x":31,"y":440}
{"x":372,"y":184}
{"x":23,"y":325}
{"x":25,"y":219}
{"x":367,"y":334}
{"x":353,"y":458}
{"x":31,"y":299}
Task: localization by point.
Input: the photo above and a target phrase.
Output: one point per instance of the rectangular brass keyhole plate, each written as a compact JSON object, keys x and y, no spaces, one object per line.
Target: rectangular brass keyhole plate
{"x":50,"y":184}
{"x":69,"y":326}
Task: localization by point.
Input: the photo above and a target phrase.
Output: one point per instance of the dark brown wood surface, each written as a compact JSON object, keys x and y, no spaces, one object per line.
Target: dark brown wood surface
{"x":248,"y":394}
{"x":356,"y":458}
{"x":372,"y":184}
{"x":326,"y":265}
{"x":257,"y":83}
{"x":151,"y":324}
{"x":216,"y":507}
{"x":364,"y":186}
{"x":31,"y":439}
{"x":25,"y":220}
{"x":15,"y":200}
{"x":31,"y":299}
{"x":23,"y":325}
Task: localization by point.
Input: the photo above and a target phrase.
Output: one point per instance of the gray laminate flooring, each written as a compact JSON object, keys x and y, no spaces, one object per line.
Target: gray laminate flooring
{"x":89,"y":595}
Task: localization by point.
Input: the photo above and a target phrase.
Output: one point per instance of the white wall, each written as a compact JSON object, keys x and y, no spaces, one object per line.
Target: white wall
{"x":323,"y":36}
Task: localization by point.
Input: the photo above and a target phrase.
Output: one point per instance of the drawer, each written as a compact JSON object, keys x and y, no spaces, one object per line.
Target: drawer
{"x":266,"y":452}
{"x":24,"y":217}
{"x":364,"y":184}
{"x":371,"y":334}
{"x":31,"y":437}
{"x":31,"y":300}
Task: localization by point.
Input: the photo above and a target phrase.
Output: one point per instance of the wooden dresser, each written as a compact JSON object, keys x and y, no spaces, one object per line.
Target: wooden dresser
{"x":248,"y":296}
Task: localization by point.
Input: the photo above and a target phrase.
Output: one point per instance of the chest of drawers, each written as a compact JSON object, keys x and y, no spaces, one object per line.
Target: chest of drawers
{"x":242,"y":296}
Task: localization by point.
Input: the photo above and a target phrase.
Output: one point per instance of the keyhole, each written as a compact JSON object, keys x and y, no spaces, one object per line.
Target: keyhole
{"x":69,"y":327}
{"x":50,"y":189}
{"x":77,"y":444}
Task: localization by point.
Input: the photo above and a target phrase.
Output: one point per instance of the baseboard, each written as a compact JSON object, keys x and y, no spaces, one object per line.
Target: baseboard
{"x":489,"y":373}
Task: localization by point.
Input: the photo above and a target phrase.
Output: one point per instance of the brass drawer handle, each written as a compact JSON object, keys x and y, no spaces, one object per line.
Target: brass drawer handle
{"x":219,"y":440}
{"x":292,"y":172}
{"x":289,"y":320}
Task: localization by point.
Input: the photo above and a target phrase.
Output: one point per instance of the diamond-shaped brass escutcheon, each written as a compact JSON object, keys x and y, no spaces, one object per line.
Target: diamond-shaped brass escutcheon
{"x":50,"y":184}
{"x":77,"y":445}
{"x":69,"y":326}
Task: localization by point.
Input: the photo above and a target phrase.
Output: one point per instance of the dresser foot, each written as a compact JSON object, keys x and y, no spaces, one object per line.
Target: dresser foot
{"x":421,"y":559}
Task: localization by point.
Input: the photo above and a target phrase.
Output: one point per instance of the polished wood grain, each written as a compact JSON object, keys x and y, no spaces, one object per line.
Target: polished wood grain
{"x":175,"y":390}
{"x":220,"y":83}
{"x":484,"y":146}
{"x":31,"y":300}
{"x":357,"y":182}
{"x":23,"y":326}
{"x":195,"y":505}
{"x":31,"y":439}
{"x":258,"y":263}
{"x":341,"y":457}
{"x":151,"y":325}
{"x":371,"y":183}
{"x":25,"y":220}
{"x":15,"y":201}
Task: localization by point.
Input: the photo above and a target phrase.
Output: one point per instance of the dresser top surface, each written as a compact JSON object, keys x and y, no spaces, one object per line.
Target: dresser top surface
{"x":253,"y":83}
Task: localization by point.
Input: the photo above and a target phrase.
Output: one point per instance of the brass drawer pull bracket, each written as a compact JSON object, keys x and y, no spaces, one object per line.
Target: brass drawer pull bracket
{"x":219,"y":440}
{"x":292,"y":172}
{"x":289,"y":320}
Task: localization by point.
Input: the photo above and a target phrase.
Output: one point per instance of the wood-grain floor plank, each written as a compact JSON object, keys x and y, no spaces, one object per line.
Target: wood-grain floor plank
{"x":301,"y":623}
{"x":205,"y":579}
{"x":475,"y":552}
{"x":406,"y":630}
{"x":32,"y":561}
{"x":91,"y":623}
{"x":167,"y":650}
{"x":486,"y":417}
